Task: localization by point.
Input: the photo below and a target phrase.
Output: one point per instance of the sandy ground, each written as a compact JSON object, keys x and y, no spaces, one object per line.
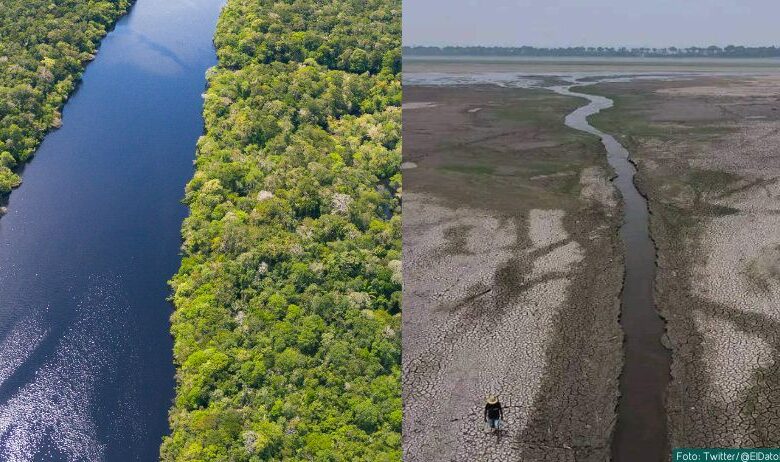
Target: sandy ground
{"x":709,"y":159}
{"x":511,"y":279}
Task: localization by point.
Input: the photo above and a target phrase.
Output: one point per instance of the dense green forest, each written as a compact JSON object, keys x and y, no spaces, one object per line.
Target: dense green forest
{"x":44,"y":46}
{"x":711,"y":51}
{"x":287,"y":321}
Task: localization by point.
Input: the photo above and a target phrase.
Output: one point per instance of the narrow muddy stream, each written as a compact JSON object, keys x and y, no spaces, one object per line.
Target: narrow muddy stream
{"x":640,"y":433}
{"x":89,"y":241}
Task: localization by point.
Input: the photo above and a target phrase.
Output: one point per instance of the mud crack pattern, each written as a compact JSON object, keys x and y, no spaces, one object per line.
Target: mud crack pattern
{"x":487,"y":302}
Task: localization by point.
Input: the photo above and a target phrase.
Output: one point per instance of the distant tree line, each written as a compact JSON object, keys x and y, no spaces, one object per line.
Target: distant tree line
{"x":713,"y":51}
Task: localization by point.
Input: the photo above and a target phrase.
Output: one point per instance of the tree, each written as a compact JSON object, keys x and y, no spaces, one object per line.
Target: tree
{"x":287,"y":321}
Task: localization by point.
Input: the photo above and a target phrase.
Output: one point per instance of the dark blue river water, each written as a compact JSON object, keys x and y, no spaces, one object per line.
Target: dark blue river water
{"x":90,"y":240}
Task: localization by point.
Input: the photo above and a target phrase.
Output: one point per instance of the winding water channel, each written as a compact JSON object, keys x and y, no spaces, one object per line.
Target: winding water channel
{"x":89,"y":241}
{"x":640,"y":432}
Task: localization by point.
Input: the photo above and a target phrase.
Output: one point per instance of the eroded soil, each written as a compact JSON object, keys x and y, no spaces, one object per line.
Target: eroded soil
{"x":512,"y":273}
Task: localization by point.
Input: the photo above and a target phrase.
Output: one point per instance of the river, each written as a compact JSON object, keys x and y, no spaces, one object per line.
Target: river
{"x":90,"y":240}
{"x":640,"y":432}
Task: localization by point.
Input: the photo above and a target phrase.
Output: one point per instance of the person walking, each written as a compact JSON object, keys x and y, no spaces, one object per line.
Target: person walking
{"x":494,"y":413}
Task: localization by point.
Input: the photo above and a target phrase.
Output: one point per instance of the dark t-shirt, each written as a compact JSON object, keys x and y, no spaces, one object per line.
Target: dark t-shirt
{"x":493,"y":411}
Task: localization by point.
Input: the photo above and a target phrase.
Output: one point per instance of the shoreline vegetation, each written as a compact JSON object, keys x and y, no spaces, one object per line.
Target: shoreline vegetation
{"x":287,"y":320}
{"x":712,"y":51}
{"x":44,"y":49}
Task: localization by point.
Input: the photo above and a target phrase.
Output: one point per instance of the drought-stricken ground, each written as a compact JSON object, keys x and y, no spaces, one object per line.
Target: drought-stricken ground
{"x":708,"y":154}
{"x":512,"y":271}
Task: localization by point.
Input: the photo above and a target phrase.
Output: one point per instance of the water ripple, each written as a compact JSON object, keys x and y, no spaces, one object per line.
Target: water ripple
{"x":53,"y":412}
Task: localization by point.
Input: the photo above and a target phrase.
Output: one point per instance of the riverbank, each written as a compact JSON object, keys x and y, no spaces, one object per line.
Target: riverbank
{"x":707,"y":160}
{"x":90,"y":239}
{"x":512,"y":271}
{"x":36,"y":77}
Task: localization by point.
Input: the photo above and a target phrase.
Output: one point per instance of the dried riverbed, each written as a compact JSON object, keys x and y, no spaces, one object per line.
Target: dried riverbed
{"x":641,"y":432}
{"x":513,"y":268}
{"x":708,"y":160}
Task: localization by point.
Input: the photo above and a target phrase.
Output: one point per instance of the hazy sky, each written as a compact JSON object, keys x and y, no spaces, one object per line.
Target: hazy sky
{"x":653,"y":23}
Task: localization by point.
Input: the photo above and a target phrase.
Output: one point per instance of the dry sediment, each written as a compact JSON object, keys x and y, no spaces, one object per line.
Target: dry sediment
{"x":468,"y":333}
{"x":737,"y":274}
{"x":483,"y":342}
{"x":505,"y":293}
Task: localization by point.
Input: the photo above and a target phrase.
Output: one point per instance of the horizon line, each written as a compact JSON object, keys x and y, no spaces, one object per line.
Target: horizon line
{"x":629,"y":47}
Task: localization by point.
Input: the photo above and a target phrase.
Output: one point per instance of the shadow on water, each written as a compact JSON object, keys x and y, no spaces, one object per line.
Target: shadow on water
{"x":641,"y":430}
{"x":91,"y":238}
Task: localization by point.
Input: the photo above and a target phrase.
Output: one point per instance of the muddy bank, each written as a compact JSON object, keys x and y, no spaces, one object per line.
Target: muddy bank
{"x":512,"y":267}
{"x":707,"y":157}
